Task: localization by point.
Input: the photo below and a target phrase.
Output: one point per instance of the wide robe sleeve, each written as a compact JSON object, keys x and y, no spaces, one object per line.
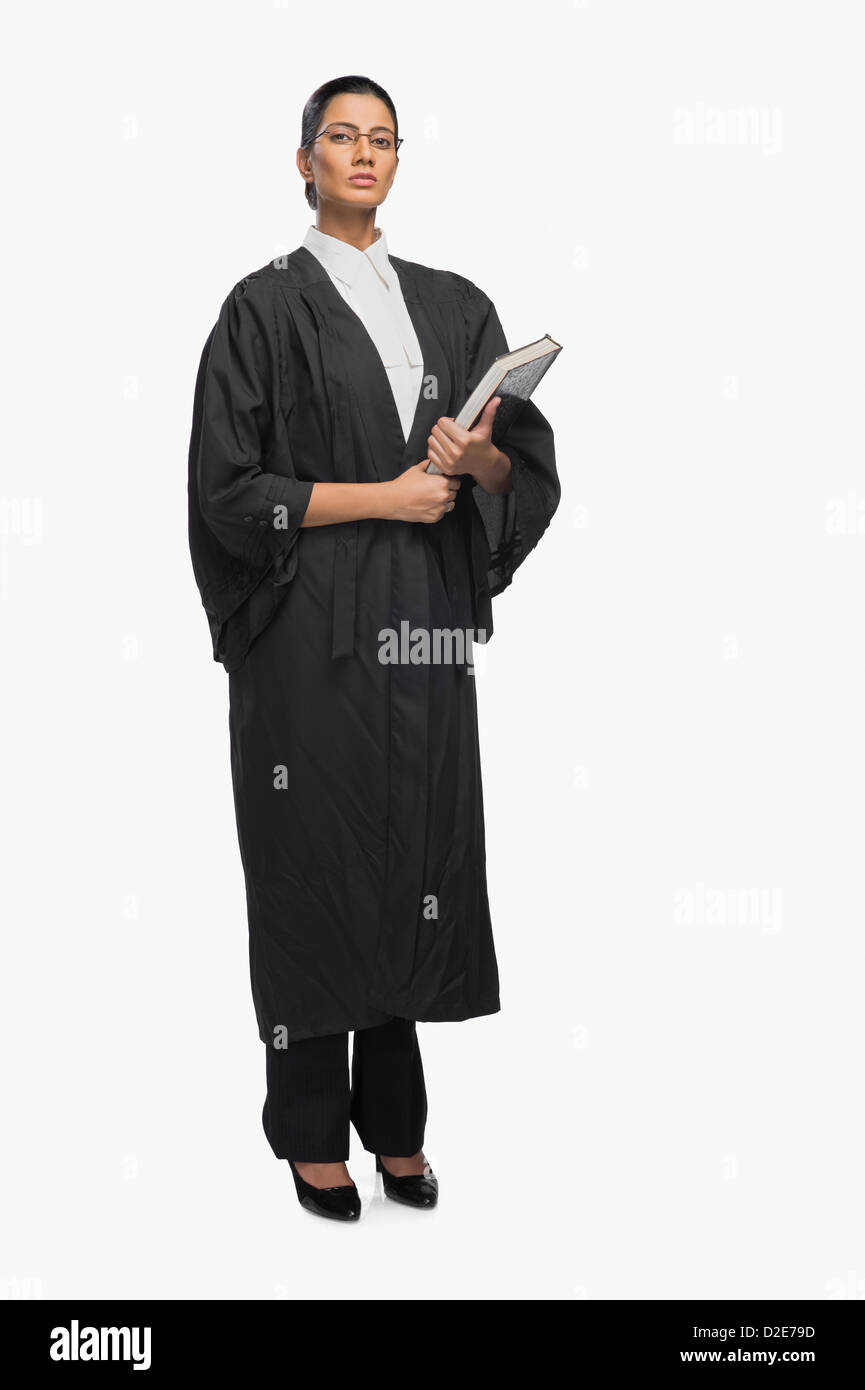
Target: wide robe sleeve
{"x":246,"y":505}
{"x":254,"y":513}
{"x":513,"y":522}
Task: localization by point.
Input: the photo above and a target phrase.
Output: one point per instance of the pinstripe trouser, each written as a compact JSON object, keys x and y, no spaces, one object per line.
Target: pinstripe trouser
{"x":311,"y":1100}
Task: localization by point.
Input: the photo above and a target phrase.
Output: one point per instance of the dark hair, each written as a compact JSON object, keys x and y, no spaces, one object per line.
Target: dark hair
{"x":312,"y":112}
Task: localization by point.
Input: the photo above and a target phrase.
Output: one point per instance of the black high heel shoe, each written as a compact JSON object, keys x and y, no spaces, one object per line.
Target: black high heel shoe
{"x":340,"y":1203}
{"x":416,"y":1189}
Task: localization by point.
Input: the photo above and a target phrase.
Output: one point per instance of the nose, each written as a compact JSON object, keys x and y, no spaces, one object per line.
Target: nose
{"x":358,"y":151}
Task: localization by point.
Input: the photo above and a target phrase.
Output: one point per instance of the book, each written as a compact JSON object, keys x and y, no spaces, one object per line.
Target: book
{"x":513,"y":376}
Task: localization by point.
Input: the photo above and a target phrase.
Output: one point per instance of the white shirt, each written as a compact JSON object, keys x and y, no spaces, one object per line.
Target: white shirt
{"x":370,"y":286}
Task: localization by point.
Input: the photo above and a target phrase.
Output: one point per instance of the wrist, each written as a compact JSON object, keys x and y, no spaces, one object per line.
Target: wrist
{"x":384,"y":504}
{"x":494,"y":474}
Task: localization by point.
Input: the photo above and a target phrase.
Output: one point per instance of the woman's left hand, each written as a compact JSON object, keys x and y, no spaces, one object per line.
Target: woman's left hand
{"x":454,"y":450}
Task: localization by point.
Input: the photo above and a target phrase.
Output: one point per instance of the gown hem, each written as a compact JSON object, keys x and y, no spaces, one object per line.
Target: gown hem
{"x":460,"y":1014}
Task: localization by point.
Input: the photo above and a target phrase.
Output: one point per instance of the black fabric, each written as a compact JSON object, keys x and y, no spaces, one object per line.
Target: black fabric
{"x":311,"y":1103}
{"x":357,"y":784}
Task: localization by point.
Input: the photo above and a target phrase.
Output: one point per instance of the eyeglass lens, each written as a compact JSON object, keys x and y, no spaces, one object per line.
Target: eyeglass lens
{"x":344,"y":135}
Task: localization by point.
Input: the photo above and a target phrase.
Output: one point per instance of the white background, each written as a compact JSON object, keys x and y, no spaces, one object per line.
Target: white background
{"x":669,"y":1103}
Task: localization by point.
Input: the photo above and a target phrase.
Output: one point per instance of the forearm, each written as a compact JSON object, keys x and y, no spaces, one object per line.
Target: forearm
{"x":330,"y":503}
{"x":494,"y":473}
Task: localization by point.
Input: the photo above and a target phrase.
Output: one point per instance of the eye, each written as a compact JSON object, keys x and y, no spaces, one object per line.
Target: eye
{"x":339,"y":136}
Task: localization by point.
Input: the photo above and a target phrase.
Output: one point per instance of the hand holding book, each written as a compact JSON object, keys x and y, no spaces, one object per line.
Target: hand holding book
{"x":511,"y":378}
{"x":454,"y":450}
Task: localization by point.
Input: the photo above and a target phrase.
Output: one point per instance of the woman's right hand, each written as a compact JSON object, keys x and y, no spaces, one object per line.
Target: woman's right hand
{"x":420,"y":496}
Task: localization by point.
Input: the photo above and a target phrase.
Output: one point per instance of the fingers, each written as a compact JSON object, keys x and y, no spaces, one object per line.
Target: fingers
{"x":437,"y":495}
{"x":442,"y":463}
{"x":446,"y":439}
{"x":447,"y":430}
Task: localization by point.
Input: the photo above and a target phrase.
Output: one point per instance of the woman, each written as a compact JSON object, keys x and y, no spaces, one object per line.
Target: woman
{"x":331,"y":565}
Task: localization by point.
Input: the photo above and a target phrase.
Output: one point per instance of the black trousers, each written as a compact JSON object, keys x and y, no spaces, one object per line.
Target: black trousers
{"x":311,"y":1103}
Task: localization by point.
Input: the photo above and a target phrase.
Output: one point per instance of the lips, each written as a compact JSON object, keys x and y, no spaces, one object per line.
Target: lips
{"x":363,"y":178}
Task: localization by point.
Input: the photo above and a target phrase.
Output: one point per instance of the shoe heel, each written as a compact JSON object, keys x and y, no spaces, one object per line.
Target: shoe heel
{"x":299,"y":1183}
{"x":416,"y":1189}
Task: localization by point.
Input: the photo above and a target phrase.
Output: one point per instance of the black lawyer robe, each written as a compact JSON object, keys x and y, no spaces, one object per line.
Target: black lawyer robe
{"x":357,"y":783}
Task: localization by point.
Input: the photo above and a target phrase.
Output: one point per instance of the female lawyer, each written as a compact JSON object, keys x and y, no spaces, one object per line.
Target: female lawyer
{"x":328,"y":383}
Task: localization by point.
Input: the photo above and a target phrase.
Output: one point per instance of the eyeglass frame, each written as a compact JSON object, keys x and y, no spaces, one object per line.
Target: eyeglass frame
{"x":358,"y":134}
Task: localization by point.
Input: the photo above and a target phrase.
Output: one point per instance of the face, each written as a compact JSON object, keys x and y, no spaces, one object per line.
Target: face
{"x":352,"y":175}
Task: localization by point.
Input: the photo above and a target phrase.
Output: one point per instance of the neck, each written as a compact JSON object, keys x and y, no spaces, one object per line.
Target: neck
{"x":354,"y":225}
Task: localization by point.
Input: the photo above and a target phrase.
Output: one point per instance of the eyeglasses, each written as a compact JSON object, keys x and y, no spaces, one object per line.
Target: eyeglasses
{"x":348,"y":135}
